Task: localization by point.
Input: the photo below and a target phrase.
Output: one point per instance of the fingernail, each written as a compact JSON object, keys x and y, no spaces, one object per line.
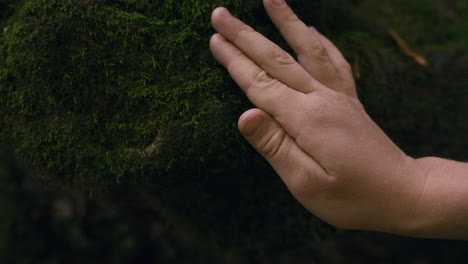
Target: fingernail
{"x":279,"y":3}
{"x":252,"y":125}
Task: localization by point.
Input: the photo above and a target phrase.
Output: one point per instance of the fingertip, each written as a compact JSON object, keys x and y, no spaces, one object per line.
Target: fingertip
{"x":220,"y":48}
{"x":216,"y":38}
{"x":218,"y":14}
{"x":275,"y":3}
{"x":213,"y":43}
{"x":215,"y":15}
{"x":217,"y":11}
{"x":250,"y":122}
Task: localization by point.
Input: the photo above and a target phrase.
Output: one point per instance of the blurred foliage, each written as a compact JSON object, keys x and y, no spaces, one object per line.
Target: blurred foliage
{"x":130,"y":126}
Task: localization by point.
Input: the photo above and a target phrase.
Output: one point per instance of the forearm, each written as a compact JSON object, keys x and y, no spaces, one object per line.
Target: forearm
{"x":442,"y":203}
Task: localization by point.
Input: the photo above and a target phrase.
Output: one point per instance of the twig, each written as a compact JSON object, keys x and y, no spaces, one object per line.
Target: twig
{"x":406,"y":49}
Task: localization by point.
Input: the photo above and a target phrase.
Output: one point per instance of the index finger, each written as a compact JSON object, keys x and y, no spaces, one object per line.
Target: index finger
{"x":265,"y":92}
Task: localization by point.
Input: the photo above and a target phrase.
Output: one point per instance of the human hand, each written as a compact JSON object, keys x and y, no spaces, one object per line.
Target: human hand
{"x":311,"y":127}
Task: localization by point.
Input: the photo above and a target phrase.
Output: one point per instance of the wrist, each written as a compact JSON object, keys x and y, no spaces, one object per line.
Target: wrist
{"x":413,"y":220}
{"x":440,"y":202}
{"x":412,"y":176}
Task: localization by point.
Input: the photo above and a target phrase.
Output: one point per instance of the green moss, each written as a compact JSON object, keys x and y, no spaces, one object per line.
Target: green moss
{"x":93,"y":82}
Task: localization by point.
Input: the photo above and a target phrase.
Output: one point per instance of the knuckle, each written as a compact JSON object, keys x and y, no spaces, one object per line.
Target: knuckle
{"x":318,"y":50}
{"x":272,"y":144}
{"x":262,"y":81}
{"x":243,"y":29}
{"x":262,"y":78}
{"x":291,"y":18}
{"x":344,"y":66}
{"x":246,"y":28}
{"x":318,"y":109}
{"x":315,"y":50}
{"x":281,"y":57}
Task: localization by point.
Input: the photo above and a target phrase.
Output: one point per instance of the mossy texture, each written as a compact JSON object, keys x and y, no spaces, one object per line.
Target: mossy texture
{"x":97,"y":91}
{"x":124,"y":99}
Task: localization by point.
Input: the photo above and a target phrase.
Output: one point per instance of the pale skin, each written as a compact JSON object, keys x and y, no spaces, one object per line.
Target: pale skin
{"x":311,"y":127}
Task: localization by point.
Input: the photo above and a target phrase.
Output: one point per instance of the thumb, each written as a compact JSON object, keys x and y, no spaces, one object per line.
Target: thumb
{"x":275,"y":145}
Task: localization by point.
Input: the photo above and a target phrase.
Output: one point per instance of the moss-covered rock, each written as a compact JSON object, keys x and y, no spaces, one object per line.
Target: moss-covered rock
{"x":98,"y":91}
{"x":124,"y":96}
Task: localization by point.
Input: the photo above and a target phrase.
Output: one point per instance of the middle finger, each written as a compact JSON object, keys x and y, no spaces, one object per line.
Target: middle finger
{"x":312,"y":54}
